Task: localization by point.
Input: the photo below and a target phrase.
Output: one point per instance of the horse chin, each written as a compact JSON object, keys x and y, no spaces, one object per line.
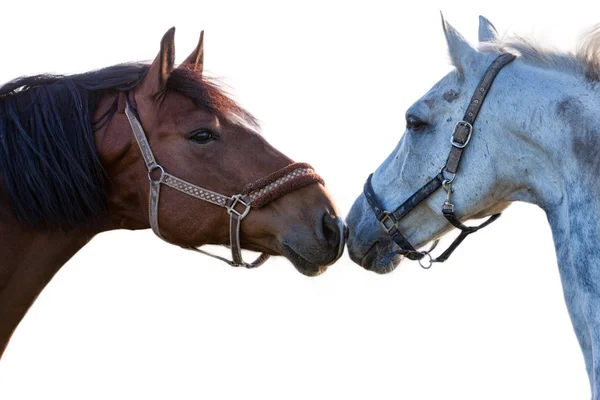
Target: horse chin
{"x":372,"y":260}
{"x":304,"y":266}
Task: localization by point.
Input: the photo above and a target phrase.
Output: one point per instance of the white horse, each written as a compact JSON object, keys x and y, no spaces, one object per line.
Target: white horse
{"x":536,"y":140}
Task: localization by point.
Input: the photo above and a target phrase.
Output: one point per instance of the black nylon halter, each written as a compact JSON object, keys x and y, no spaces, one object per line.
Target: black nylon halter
{"x":459,"y":140}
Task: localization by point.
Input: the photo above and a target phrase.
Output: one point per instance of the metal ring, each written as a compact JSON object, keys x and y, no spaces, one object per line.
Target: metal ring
{"x":150,"y":170}
{"x":426,"y":253}
{"x":446,"y":180}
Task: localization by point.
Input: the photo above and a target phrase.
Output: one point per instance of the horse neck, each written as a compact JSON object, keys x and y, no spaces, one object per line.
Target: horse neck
{"x":575,"y":231}
{"x":562,"y":179}
{"x":574,"y":218}
{"x":566,"y":163}
{"x":33,"y":259}
{"x":30,"y":259}
{"x":552,"y":133}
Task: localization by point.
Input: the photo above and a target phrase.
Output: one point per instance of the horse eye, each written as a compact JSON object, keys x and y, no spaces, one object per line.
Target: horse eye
{"x":201,"y":136}
{"x":413,"y":123}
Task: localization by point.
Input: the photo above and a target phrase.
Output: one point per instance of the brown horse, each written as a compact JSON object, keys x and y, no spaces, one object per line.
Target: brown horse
{"x":76,"y":161}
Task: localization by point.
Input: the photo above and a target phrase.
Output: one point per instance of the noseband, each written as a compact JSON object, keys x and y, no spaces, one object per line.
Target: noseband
{"x":460,"y":139}
{"x":254,"y":196}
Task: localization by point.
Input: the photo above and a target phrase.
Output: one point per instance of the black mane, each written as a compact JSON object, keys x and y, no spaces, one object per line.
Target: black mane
{"x":51,"y":174}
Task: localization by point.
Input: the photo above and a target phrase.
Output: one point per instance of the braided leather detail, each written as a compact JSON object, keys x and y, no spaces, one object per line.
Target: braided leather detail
{"x":286,"y":178}
{"x":196,"y":191}
{"x":280,"y":183}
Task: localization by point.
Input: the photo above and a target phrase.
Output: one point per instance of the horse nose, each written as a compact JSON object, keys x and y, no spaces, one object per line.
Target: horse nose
{"x":334,"y":232}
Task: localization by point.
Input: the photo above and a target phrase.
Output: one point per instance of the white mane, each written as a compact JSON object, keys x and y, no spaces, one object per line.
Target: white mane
{"x":584,"y":61}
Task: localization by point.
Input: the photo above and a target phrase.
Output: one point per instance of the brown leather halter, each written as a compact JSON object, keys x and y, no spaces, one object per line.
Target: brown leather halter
{"x":460,"y":139}
{"x":255,"y":195}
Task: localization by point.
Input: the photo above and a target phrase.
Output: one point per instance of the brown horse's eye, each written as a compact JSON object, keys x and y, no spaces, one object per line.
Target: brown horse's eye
{"x":201,"y":136}
{"x":413,"y":123}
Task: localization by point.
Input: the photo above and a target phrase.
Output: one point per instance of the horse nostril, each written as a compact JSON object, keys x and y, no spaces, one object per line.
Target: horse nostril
{"x":346,"y":232}
{"x":331,"y":230}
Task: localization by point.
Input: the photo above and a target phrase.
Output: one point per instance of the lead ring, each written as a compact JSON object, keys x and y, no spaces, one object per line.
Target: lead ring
{"x":430,"y":260}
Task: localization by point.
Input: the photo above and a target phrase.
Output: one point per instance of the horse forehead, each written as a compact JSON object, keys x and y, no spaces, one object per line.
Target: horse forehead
{"x":446,"y":90}
{"x":181,"y":114}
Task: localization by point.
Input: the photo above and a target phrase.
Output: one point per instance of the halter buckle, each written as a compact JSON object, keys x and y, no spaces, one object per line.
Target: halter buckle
{"x":238,"y":199}
{"x":388,"y":221}
{"x":460,"y":125}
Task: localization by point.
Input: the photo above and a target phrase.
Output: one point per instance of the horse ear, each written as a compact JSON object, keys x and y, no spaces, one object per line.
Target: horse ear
{"x":487,"y":30}
{"x":162,"y":66}
{"x":462,"y":54}
{"x":195,"y":61}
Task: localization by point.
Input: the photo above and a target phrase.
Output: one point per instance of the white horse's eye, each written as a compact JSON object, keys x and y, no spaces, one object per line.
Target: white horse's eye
{"x":414,"y":123}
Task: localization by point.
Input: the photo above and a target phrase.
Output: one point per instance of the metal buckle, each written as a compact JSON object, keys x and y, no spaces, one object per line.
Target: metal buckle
{"x":388,"y":221}
{"x":238,"y":198}
{"x":459,"y":124}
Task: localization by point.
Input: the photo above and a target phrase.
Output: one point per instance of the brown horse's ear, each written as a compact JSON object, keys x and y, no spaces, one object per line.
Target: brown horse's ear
{"x":162,"y":66}
{"x":195,"y":61}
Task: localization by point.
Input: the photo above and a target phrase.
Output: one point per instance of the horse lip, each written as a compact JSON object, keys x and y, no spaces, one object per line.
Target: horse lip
{"x":370,"y":261}
{"x":365,"y":261}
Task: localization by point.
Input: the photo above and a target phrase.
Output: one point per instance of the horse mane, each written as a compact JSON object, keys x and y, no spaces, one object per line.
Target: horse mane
{"x":51,"y":174}
{"x":585,"y":60}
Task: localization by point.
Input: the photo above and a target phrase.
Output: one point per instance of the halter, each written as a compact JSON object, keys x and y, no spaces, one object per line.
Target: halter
{"x":254,"y":196}
{"x":460,"y":139}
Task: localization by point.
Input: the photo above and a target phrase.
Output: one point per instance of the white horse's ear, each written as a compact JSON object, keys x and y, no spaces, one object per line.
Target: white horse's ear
{"x":463,"y":55}
{"x":487,"y":30}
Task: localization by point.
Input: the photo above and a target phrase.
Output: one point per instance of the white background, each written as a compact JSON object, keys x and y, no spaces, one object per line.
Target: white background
{"x":130,"y":317}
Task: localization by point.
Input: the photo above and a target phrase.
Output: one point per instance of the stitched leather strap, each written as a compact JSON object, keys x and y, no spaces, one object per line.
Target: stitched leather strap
{"x":465,"y":231}
{"x":153,"y":207}
{"x":234,"y":239}
{"x":464,"y":129}
{"x":140,"y":137}
{"x":388,"y":221}
{"x":419,"y":196}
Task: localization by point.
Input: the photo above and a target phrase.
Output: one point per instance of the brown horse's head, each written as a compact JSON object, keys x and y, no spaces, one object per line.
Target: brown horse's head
{"x":200,"y":135}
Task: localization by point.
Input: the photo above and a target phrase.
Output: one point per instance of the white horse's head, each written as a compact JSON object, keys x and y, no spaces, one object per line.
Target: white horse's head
{"x":515,"y":153}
